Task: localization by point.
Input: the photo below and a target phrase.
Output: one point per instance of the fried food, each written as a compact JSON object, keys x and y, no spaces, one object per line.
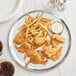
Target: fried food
{"x":23,"y":47}
{"x":35,"y":56}
{"x":19,"y":38}
{"x":31,"y":32}
{"x":56,"y":40}
{"x":57,"y":55}
{"x":53,"y":53}
{"x":54,"y":43}
{"x":45,"y":29}
{"x":39,"y":40}
{"x":32,"y":35}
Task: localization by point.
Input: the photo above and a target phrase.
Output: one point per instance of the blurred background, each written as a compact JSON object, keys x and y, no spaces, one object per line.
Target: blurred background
{"x":68,"y":67}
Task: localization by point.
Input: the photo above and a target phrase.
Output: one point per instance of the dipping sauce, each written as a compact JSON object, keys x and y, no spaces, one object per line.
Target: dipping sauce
{"x":57,"y":27}
{"x":6,"y":69}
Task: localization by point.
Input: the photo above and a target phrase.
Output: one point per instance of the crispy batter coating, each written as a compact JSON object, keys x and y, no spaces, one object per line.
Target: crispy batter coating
{"x":54,"y":43}
{"x":56,"y":40}
{"x":39,"y":40}
{"x":47,"y":52}
{"x":57,"y":55}
{"x":52,"y":53}
{"x":19,"y":38}
{"x":35,"y":57}
{"x":23,"y":47}
{"x":59,"y":38}
{"x":47,"y":43}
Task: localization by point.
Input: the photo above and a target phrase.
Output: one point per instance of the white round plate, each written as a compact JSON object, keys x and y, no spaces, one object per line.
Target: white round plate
{"x":19,"y":57}
{"x":9,"y":8}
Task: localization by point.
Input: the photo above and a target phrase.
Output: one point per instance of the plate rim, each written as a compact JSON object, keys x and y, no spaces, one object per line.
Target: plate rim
{"x":15,"y":11}
{"x":56,"y":65}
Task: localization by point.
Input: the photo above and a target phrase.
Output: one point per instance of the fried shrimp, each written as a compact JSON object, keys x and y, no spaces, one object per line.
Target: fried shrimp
{"x":39,"y":40}
{"x":54,"y":43}
{"x":23,"y":47}
{"x":56,"y":40}
{"x":52,"y":53}
{"x":57,"y":55}
{"x":35,"y":57}
{"x":59,"y":38}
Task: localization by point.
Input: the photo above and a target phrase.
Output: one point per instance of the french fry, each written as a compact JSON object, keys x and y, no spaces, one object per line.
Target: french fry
{"x":45,"y":29}
{"x":46,"y":19}
{"x":35,"y":20}
{"x":39,"y":18}
{"x":21,"y":27}
{"x":30,"y":17}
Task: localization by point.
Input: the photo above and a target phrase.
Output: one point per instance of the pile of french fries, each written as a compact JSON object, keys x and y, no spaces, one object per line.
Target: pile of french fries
{"x":35,"y":29}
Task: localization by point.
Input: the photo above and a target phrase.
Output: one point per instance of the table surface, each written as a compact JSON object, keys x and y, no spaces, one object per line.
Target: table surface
{"x":68,"y":67}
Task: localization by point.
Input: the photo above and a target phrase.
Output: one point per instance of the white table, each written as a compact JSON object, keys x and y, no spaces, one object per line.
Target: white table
{"x":68,"y":67}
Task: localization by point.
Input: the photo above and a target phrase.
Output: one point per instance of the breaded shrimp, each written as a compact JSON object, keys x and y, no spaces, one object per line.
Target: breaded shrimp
{"x":54,"y":43}
{"x":52,"y":53}
{"x":39,"y":40}
{"x":19,"y":38}
{"x":56,"y":40}
{"x":35,"y":57}
{"x":23,"y":47}
{"x":59,"y":38}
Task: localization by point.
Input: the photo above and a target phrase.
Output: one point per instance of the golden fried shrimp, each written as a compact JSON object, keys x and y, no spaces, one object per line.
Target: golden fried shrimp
{"x":56,"y":40}
{"x":23,"y":47}
{"x":35,"y":57}
{"x":47,"y":52}
{"x":57,"y":55}
{"x":59,"y":38}
{"x":52,"y":53}
{"x":47,"y":43}
{"x":39,"y":40}
{"x":30,"y":52}
{"x":54,"y":43}
{"x":19,"y":38}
